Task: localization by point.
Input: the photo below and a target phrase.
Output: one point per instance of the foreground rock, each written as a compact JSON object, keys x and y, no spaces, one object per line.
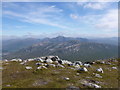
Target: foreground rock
{"x":28,"y":68}
{"x":82,"y":70}
{"x":67,"y":79}
{"x":92,"y":85}
{"x":100,"y":70}
{"x":98,"y":75}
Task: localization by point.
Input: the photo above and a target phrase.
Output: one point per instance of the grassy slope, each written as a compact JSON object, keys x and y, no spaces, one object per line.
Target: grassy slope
{"x":17,"y":76}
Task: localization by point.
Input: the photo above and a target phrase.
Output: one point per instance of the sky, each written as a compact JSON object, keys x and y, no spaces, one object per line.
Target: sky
{"x":51,"y":19}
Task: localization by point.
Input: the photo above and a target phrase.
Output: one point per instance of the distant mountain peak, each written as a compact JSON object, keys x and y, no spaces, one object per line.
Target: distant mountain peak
{"x":60,"y":37}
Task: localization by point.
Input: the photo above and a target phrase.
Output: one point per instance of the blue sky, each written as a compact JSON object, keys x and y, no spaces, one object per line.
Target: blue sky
{"x":50,"y":19}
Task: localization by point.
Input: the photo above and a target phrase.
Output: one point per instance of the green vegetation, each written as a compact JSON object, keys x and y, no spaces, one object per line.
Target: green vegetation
{"x":16,"y":76}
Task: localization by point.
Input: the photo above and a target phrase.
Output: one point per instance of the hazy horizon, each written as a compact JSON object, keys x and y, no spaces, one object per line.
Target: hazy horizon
{"x":51,"y":36}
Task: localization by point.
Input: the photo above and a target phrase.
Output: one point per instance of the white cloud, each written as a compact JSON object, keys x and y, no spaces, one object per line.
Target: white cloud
{"x":48,"y":15}
{"x":93,"y":5}
{"x":12,"y":14}
{"x":38,"y":20}
{"x":99,"y":5}
{"x":20,"y":26}
{"x":53,"y":6}
{"x":51,"y":15}
{"x":107,"y":22}
{"x":74,"y":16}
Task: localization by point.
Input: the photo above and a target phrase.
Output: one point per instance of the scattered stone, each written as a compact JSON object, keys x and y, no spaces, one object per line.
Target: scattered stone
{"x":91,"y":80}
{"x":54,"y":58}
{"x":97,"y":82}
{"x":38,"y":63}
{"x":114,"y":67}
{"x":49,"y":61}
{"x":28,"y":68}
{"x":71,"y":68}
{"x":82,"y":69}
{"x":77,"y":63}
{"x":56,"y":62}
{"x":70,"y":64}
{"x":53,"y":65}
{"x":72,"y":88}
{"x":87,"y":65}
{"x":1,"y":68}
{"x":44,"y":64}
{"x":44,"y":67}
{"x":6,"y":60}
{"x":77,"y":74}
{"x":60,"y":62}
{"x":83,"y":81}
{"x":91,"y":85}
{"x":77,"y":66}
{"x":60,"y":66}
{"x":30,"y":60}
{"x":47,"y":65}
{"x":39,"y":67}
{"x":14,"y":60}
{"x":100,"y":70}
{"x":108,"y":63}
{"x":98,"y":75}
{"x":67,"y":79}
{"x":102,"y":62}
{"x":19,"y":60}
{"x":66,"y":62}
{"x":8,"y":85}
{"x":17,"y":71}
{"x":22,"y":63}
{"x":88,"y":77}
{"x":25,"y":61}
{"x":39,"y":59}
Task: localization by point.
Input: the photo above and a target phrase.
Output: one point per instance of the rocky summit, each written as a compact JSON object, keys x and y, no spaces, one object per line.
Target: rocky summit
{"x":53,"y":72}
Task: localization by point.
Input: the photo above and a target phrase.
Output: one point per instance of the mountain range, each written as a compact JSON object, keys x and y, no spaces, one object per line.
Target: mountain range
{"x":65,"y":47}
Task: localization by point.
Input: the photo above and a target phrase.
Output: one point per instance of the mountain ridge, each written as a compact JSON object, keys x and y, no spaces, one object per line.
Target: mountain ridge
{"x":67,"y":48}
